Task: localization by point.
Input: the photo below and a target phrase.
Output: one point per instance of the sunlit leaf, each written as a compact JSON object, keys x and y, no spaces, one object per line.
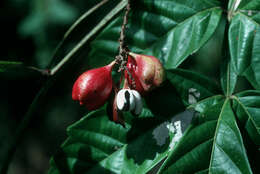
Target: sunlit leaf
{"x":244,"y":41}
{"x":98,"y":145}
{"x":217,"y":148}
{"x":169,"y":30}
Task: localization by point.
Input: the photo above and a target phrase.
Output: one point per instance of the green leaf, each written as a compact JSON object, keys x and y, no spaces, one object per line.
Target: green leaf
{"x":249,"y":5}
{"x":244,"y":41}
{"x":15,"y":70}
{"x":248,"y":110}
{"x":228,"y":153}
{"x":170,"y":35}
{"x":160,"y":101}
{"x":192,"y":86}
{"x":209,"y":102}
{"x":98,"y":145}
{"x":217,"y":148}
{"x":191,"y":154}
{"x":241,"y":41}
{"x":6,"y":66}
{"x":228,"y":78}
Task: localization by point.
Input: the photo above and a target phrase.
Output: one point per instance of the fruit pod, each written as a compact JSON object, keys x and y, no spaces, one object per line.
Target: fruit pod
{"x":93,"y":87}
{"x":117,"y":114}
{"x":146,"y":71}
{"x":131,"y":76}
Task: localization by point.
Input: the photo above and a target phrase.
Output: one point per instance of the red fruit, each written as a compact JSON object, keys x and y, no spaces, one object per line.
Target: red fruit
{"x":147,"y":71}
{"x":117,"y":114}
{"x":132,"y":68}
{"x":93,"y":87}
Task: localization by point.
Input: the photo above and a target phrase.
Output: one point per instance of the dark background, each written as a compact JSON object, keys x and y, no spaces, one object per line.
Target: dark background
{"x":30,"y":31}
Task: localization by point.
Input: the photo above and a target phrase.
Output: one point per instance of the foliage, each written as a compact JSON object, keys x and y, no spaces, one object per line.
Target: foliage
{"x":224,"y":134}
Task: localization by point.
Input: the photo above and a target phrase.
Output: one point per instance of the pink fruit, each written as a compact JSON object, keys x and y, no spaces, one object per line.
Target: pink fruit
{"x":132,"y":68}
{"x":146,"y":71}
{"x":117,"y":114}
{"x":93,"y":87}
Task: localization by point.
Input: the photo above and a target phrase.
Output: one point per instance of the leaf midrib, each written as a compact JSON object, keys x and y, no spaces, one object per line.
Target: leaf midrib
{"x":244,"y":108}
{"x":249,"y":18}
{"x":170,"y":30}
{"x":222,"y":150}
{"x":193,"y":149}
{"x":98,"y":133}
{"x":216,"y":87}
{"x":215,"y":136}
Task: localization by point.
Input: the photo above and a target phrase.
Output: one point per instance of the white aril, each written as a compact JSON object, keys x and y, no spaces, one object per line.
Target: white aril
{"x":125,"y":100}
{"x":138,"y":102}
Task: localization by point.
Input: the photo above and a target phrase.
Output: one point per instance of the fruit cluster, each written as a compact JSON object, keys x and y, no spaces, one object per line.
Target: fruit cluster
{"x":142,"y":74}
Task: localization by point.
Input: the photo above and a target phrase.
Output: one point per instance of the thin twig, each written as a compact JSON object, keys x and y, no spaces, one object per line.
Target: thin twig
{"x":107,"y":18}
{"x":121,"y":58}
{"x":45,"y":72}
{"x":74,"y":25}
{"x":84,"y":16}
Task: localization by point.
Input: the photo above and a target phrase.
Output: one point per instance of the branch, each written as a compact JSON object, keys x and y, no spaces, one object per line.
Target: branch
{"x":123,"y":50}
{"x":88,"y":36}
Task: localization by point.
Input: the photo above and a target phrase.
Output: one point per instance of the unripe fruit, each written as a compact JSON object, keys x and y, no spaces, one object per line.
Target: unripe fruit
{"x":93,"y":87}
{"x":146,"y":70}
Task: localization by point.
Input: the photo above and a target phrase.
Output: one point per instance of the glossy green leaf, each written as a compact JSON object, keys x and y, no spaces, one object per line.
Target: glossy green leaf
{"x":253,"y":5}
{"x":241,"y":40}
{"x":169,"y":30}
{"x":191,"y":154}
{"x":217,"y":148}
{"x":98,"y":145}
{"x":91,"y":139}
{"x":228,"y":153}
{"x":244,"y":41}
{"x":228,"y":78}
{"x":192,"y":86}
{"x":248,"y":110}
{"x":209,"y":102}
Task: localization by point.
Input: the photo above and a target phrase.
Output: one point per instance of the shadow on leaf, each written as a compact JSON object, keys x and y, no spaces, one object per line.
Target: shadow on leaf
{"x":164,"y":101}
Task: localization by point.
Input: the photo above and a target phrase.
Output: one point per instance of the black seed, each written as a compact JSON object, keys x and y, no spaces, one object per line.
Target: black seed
{"x":127,"y":103}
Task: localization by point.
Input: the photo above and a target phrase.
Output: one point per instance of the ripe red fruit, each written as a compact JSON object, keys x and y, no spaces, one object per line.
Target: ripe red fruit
{"x":147,"y":72}
{"x":132,"y":68}
{"x":93,"y":87}
{"x":117,"y":114}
